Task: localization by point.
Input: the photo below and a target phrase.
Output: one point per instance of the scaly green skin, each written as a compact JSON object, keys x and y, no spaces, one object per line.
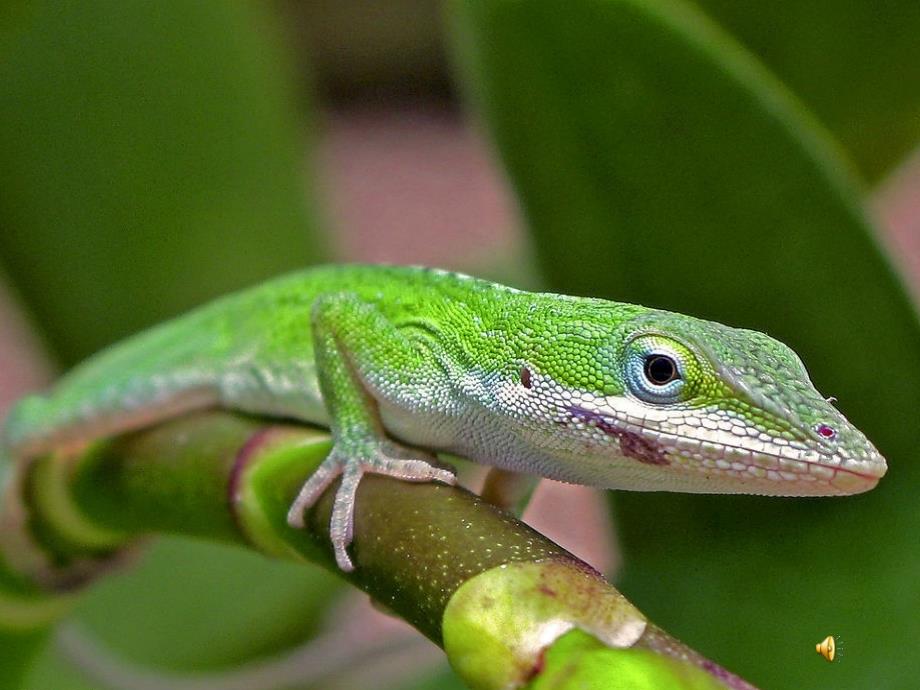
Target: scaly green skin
{"x":402,"y":362}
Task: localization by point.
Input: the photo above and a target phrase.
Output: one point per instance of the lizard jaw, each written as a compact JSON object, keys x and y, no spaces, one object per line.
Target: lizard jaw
{"x":708,"y":458}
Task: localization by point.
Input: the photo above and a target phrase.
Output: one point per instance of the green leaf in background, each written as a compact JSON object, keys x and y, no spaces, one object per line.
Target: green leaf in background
{"x":152,"y":157}
{"x":657,"y":162}
{"x":855,"y":63}
{"x":192,"y":605}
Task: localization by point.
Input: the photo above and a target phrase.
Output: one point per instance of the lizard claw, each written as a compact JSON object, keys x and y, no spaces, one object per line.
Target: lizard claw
{"x":351,"y":466}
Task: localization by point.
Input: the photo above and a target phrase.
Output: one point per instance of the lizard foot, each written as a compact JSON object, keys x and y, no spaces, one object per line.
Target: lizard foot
{"x":351,"y":462}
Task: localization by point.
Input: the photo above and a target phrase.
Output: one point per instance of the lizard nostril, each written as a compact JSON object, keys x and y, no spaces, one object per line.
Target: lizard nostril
{"x":826,"y":431}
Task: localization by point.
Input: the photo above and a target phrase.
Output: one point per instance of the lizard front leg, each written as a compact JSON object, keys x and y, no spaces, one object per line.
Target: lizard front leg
{"x":351,"y":340}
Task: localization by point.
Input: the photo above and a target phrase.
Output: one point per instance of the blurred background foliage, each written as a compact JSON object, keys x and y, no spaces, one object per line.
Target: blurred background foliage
{"x":144,"y":142}
{"x":716,"y":158}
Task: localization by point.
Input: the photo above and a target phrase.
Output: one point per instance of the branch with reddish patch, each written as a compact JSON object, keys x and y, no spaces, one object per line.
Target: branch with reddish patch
{"x":231,"y":478}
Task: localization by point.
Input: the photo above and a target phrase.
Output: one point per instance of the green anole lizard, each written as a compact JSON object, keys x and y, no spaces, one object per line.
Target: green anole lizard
{"x":400,"y":363}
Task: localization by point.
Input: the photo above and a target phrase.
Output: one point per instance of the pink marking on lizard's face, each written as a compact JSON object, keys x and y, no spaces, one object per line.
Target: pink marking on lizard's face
{"x":632,"y":445}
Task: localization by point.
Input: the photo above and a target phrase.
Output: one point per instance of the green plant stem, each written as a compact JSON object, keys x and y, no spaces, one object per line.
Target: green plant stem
{"x":231,"y":478}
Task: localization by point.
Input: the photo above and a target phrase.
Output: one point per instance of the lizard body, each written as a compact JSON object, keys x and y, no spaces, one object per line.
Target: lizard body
{"x":403,"y":362}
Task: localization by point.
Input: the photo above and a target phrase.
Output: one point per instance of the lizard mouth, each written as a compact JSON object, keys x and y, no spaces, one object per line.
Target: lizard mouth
{"x":853,"y":482}
{"x":785,"y":472}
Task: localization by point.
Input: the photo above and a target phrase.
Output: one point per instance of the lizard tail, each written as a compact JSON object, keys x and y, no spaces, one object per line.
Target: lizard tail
{"x":18,"y":552}
{"x":20,"y":425}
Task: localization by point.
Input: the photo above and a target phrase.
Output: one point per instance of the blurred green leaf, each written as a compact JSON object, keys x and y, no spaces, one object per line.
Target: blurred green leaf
{"x":232,"y":605}
{"x":192,"y":605}
{"x":856,"y":63}
{"x":442,"y":680}
{"x":658,"y":162}
{"x":152,"y":157}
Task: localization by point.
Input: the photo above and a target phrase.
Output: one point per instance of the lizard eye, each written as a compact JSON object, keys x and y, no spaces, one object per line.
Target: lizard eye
{"x":654,"y":370}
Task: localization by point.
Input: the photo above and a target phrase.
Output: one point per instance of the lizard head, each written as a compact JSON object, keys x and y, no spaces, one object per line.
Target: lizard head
{"x":670,"y":402}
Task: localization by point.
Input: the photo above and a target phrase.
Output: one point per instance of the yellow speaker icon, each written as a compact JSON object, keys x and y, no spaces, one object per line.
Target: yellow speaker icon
{"x":827,"y":648}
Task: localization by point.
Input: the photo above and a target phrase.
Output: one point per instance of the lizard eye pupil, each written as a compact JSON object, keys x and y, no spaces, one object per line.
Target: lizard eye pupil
{"x":660,"y":369}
